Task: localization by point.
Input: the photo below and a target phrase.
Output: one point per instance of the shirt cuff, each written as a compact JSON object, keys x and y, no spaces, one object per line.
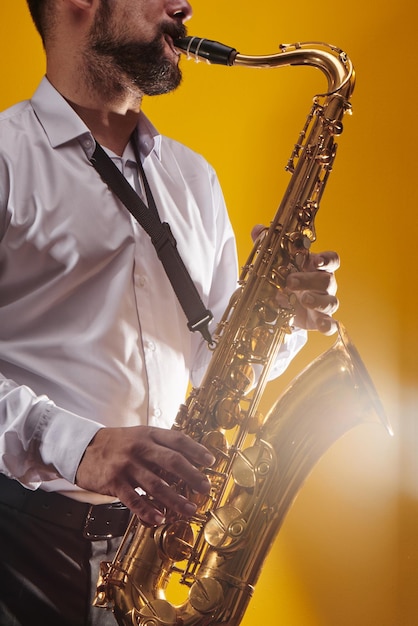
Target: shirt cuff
{"x":64,"y":439}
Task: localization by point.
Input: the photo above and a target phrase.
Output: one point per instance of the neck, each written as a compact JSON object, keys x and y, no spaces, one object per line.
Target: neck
{"x":111,"y":116}
{"x":111,"y":128}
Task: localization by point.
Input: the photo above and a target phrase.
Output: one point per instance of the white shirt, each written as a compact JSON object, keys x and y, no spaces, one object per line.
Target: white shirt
{"x":91,"y":332}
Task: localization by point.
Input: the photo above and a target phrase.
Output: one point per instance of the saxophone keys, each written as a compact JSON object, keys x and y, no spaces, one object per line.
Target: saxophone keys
{"x":225,"y":528}
{"x":227,"y":412}
{"x":175,"y":541}
{"x":216,"y":442}
{"x":101,"y":598}
{"x":251,"y":466}
{"x":206,"y":594}
{"x":261,"y":338}
{"x":242,"y":378}
{"x":156,"y":613}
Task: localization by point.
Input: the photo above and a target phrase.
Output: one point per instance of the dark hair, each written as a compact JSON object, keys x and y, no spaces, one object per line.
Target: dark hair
{"x":37,"y":10}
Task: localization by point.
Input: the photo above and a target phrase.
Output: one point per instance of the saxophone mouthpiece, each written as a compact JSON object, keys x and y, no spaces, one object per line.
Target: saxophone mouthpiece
{"x":212,"y":51}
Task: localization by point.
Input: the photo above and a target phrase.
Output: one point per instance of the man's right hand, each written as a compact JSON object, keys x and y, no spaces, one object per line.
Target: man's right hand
{"x":119,"y":460}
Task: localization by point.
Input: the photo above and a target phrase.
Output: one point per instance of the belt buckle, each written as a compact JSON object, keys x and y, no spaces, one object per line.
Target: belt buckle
{"x":115,"y":518}
{"x":88,"y":523}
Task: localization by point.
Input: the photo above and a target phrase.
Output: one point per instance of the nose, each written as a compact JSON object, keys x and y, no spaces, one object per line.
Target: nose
{"x":180,"y":9}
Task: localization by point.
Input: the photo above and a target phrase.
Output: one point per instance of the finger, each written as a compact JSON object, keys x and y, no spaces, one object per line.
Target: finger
{"x":326,"y":304}
{"x":328,"y":260}
{"x":158,"y":498}
{"x":257,"y":230}
{"x":179,"y":442}
{"x":176,"y":454}
{"x":321,"y":322}
{"x":321,"y":281}
{"x":142,"y":507}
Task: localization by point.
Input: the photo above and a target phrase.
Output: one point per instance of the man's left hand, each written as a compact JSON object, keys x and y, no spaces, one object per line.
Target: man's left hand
{"x":315,"y":288}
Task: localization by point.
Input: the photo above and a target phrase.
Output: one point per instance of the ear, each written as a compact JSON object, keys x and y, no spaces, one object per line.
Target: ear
{"x":82,"y":9}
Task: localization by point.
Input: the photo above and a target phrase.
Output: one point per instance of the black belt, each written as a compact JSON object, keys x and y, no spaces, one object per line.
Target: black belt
{"x":100,"y":521}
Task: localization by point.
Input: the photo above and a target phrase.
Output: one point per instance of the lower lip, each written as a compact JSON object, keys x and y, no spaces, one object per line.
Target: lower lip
{"x":170,"y":43}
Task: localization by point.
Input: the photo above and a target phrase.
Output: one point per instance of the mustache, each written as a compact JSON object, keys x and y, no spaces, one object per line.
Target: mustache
{"x":174,"y":30}
{"x":106,"y":45}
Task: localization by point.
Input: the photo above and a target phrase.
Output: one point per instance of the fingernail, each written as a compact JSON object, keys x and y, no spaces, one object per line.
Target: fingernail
{"x":308,"y":299}
{"x":189,"y":508}
{"x":158,"y":519}
{"x":208,"y":459}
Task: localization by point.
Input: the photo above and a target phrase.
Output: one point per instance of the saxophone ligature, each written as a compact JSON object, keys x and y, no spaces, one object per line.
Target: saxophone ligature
{"x":261,"y":463}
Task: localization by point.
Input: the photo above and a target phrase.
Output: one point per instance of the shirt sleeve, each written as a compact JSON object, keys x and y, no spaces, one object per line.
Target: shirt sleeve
{"x":35,"y":436}
{"x":224,"y":275}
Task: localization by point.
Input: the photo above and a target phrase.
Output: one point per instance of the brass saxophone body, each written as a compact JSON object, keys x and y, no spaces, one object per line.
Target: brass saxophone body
{"x":217,"y":556}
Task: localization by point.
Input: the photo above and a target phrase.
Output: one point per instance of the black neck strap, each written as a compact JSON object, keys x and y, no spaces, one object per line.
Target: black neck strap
{"x":161,"y":236}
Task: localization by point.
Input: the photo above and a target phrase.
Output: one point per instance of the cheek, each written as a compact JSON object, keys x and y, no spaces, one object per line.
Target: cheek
{"x":140,"y":29}
{"x":143,"y":17}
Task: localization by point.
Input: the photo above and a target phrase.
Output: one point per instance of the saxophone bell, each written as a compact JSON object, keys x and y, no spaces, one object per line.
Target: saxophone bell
{"x":332,"y":395}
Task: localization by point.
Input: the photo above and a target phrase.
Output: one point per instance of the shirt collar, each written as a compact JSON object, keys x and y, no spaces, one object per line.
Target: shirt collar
{"x":62,"y":124}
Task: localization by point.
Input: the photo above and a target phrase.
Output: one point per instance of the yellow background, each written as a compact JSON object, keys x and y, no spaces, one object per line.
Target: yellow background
{"x":347,"y":554}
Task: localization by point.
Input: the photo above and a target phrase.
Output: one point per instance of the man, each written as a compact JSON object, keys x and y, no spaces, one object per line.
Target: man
{"x":95,"y":354}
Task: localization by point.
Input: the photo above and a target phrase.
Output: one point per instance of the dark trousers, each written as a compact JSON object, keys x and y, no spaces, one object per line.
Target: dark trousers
{"x":48,"y":574}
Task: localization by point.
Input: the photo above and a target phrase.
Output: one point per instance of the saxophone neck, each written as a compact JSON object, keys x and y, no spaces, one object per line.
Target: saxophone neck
{"x":332,"y":61}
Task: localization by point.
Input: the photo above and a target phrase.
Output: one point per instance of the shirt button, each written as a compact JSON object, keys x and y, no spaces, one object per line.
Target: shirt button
{"x":150,"y":345}
{"x":140,"y":281}
{"x":157,"y":412}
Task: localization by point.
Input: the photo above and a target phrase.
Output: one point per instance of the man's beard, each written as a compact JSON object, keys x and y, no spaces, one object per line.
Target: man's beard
{"x":114,"y":64}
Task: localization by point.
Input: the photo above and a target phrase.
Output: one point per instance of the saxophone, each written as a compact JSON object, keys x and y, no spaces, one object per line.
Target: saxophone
{"x":217,"y":556}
